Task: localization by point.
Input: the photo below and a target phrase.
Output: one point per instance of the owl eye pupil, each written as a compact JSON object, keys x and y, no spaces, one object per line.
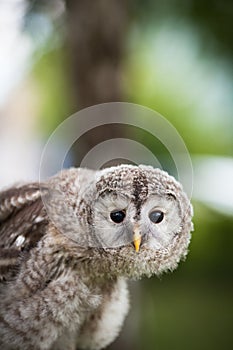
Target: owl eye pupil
{"x":156,"y":216}
{"x":117,"y":216}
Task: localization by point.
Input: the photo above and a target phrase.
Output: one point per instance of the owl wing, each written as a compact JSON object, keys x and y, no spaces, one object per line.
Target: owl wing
{"x":23,"y":221}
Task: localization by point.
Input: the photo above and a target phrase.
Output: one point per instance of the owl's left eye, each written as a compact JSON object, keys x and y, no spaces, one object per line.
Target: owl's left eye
{"x":117,"y":216}
{"x":156,"y":216}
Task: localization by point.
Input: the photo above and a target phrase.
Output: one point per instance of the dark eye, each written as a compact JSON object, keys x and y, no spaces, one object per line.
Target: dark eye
{"x":117,"y":216}
{"x":156,"y":216}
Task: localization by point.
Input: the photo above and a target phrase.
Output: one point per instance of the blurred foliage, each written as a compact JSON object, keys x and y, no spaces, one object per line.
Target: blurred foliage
{"x":210,"y":252}
{"x":186,"y":83}
{"x":212,"y":18}
{"x":186,"y":315}
{"x":167,"y":73}
{"x":54,"y":89}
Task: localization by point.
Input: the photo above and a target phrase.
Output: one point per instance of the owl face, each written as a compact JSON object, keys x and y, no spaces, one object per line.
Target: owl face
{"x":119,"y":222}
{"x":137,"y":215}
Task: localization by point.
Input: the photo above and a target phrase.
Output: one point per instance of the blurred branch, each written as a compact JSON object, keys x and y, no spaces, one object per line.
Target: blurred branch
{"x":96,"y":44}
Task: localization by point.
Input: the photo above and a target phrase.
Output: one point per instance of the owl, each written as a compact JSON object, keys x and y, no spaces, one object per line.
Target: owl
{"x":69,"y":245}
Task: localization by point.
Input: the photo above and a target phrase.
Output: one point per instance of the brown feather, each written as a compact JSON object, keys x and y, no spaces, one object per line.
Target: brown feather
{"x":23,"y":222}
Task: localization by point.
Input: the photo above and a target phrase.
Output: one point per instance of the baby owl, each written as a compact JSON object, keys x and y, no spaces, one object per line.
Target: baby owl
{"x":68,"y":246}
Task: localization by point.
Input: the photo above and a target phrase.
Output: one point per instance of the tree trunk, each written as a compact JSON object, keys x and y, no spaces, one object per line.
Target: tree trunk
{"x":96,"y":40}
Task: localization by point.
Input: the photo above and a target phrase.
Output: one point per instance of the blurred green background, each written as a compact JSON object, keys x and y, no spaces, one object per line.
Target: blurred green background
{"x":172,"y":56}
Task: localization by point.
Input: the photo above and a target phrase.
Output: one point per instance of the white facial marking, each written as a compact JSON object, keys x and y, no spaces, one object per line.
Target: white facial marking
{"x":38,"y":219}
{"x":19,"y":241}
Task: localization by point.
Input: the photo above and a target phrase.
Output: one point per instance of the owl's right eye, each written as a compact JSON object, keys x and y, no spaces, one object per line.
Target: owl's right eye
{"x":117,"y":216}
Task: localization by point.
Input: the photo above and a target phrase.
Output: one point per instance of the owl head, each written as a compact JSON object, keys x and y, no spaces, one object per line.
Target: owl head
{"x":135,"y":219}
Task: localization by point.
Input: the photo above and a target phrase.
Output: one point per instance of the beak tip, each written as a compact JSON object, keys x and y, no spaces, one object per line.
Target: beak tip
{"x":137,"y":242}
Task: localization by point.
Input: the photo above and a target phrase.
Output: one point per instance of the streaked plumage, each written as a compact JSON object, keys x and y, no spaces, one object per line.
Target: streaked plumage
{"x":64,"y":262}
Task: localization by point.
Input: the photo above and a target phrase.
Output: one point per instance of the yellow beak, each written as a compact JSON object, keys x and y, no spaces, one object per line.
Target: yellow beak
{"x":137,"y":238}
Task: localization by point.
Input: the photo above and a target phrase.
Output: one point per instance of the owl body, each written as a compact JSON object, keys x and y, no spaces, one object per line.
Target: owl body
{"x":68,"y":246}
